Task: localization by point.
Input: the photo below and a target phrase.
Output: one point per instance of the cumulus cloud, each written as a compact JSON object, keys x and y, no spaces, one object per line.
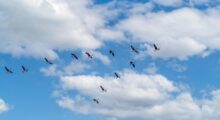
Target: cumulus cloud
{"x":75,"y":67}
{"x":70,"y":69}
{"x":178,"y":67}
{"x":151,"y":69}
{"x":96,"y":55}
{"x":51,"y":71}
{"x":39,"y":27}
{"x":67,"y":103}
{"x":3,"y":106}
{"x":103,"y":58}
{"x":141,"y":8}
{"x":138,"y":91}
{"x":180,"y":33}
{"x":144,"y":97}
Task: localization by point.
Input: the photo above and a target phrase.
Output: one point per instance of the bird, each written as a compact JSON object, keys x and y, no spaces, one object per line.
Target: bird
{"x":89,"y":55}
{"x":74,"y":56}
{"x":103,"y":89}
{"x":134,"y":49}
{"x":47,"y":61}
{"x":112,"y":53}
{"x":8,"y":70}
{"x":132,"y":64}
{"x":117,"y":75}
{"x":96,"y":100}
{"x":155,"y":47}
{"x":24,"y":69}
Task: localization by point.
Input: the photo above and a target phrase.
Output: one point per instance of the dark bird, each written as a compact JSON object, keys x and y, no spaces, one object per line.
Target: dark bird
{"x":24,"y":69}
{"x":134,"y":49}
{"x":8,"y":70}
{"x":74,"y":56}
{"x":117,"y":75}
{"x":89,"y":55}
{"x":96,"y":100}
{"x":155,"y":47}
{"x":112,"y":53}
{"x":103,"y":89}
{"x":132,"y":64}
{"x":49,"y":62}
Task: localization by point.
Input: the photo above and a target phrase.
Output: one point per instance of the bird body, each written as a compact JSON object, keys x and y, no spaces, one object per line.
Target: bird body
{"x":117,"y":75}
{"x":24,"y":69}
{"x":132,"y":64}
{"x":103,"y":89}
{"x":89,"y":55}
{"x":134,"y":49}
{"x":96,"y":100}
{"x":155,"y":47}
{"x":112,"y":53}
{"x":47,"y":61}
{"x":8,"y":70}
{"x":74,"y":56}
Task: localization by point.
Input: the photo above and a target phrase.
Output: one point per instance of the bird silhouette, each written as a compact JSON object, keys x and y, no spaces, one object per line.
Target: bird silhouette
{"x":103,"y":89}
{"x":132,"y":64}
{"x":134,"y":49}
{"x":89,"y":55}
{"x":155,"y":47}
{"x":8,"y":70}
{"x":96,"y":101}
{"x":112,"y":53}
{"x":47,"y":61}
{"x":24,"y":69}
{"x":74,"y":56}
{"x":117,"y":75}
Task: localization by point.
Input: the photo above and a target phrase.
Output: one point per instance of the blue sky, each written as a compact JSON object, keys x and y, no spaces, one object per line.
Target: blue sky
{"x":178,"y":82}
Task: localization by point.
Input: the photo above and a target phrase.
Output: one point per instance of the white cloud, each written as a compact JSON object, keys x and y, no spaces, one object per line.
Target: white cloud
{"x":3,"y":106}
{"x":178,"y":67}
{"x":38,"y":27}
{"x":144,"y":97}
{"x":138,"y":90}
{"x":67,"y":103}
{"x":141,"y":8}
{"x":151,"y":69}
{"x":75,"y":67}
{"x":96,"y":55}
{"x":180,"y":33}
{"x":51,"y":71}
{"x":103,"y":58}
{"x":70,"y":69}
{"x":111,"y":34}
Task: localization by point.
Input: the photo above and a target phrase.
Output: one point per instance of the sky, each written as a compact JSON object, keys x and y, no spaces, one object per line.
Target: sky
{"x":180,"y":81}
